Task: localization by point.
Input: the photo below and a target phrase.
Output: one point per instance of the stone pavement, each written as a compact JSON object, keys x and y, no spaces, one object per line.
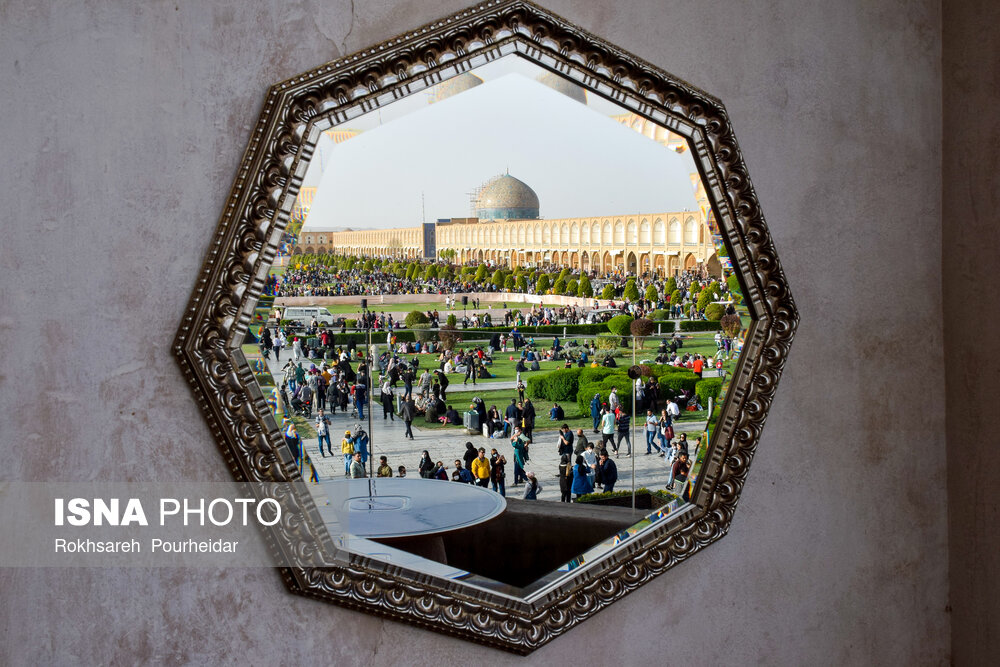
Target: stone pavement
{"x":448,"y":444}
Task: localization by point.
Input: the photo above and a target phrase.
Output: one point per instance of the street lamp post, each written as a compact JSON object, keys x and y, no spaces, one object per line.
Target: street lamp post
{"x":368,"y":382}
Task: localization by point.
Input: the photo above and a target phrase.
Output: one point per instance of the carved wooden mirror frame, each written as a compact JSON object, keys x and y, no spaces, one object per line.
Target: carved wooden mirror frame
{"x":244,"y":246}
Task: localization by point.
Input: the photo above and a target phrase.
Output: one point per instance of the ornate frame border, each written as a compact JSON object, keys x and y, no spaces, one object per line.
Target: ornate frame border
{"x":245,"y":243}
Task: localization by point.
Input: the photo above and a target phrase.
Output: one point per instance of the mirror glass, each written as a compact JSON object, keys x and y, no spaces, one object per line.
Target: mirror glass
{"x":512,"y":293}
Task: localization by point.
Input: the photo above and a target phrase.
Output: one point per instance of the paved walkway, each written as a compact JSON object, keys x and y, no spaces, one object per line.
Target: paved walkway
{"x":448,"y":444}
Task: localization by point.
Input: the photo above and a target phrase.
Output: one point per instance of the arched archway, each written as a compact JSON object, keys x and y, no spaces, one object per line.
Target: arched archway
{"x":714,"y":266}
{"x":631,"y":263}
{"x":574,"y":260}
{"x":644,"y":263}
{"x":606,"y":262}
{"x":619,"y":263}
{"x":585,"y":262}
{"x":659,"y":266}
{"x":690,"y":262}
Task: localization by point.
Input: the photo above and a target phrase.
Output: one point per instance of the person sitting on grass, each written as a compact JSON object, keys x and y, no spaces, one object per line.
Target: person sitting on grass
{"x":556,"y":413}
{"x":452,"y":417}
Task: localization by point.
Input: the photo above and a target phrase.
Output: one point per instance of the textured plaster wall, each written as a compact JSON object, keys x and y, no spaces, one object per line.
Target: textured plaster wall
{"x":122,"y":128}
{"x":971,"y":163}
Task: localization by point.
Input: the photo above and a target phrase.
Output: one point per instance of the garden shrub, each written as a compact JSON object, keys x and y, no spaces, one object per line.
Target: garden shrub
{"x":660,"y":315}
{"x":415,"y":317}
{"x":607,"y":342}
{"x":452,"y":320}
{"x":708,"y":388}
{"x":537,"y":386}
{"x":714,"y":312}
{"x":699,"y":325}
{"x":619,"y":325}
{"x":608,"y":292}
{"x":562,"y":385}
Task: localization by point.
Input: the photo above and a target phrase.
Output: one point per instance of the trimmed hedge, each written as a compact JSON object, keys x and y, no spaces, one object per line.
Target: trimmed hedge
{"x":551,"y":329}
{"x":708,"y":388}
{"x":699,"y":325}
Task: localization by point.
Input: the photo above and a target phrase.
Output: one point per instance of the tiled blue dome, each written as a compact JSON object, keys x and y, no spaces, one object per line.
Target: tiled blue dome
{"x":506,"y":198}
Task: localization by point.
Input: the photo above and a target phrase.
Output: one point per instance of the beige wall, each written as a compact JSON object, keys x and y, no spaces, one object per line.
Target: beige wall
{"x":123,"y":128}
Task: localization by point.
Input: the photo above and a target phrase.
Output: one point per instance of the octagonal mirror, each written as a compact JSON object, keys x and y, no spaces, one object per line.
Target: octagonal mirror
{"x":496,"y":297}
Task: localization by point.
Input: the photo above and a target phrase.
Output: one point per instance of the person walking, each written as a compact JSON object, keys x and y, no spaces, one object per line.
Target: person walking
{"x":519,"y":441}
{"x":528,"y":417}
{"x":595,"y":412}
{"x":387,"y":396}
{"x":323,"y":432}
{"x":565,"y":478}
{"x":498,"y":474}
{"x":608,"y":430}
{"x":652,"y":430}
{"x":409,"y":413}
{"x":624,"y":426}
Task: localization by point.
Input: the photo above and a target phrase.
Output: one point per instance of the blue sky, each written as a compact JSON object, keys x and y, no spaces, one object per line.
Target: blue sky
{"x":578,"y":160}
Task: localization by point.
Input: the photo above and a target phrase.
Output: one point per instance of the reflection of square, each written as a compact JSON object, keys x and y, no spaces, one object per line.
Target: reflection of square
{"x":504,"y":241}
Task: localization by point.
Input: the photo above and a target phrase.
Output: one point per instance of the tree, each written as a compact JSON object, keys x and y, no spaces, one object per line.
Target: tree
{"x":560,"y":286}
{"x":521,"y":285}
{"x":368,"y":266}
{"x":497,"y":278}
{"x":509,"y":283}
{"x":542,"y":286}
{"x":651,"y":294}
{"x":731,"y":325}
{"x":704,"y":298}
{"x":451,"y":320}
{"x":608,"y":292}
{"x":695,"y":288}
{"x":565,"y":273}
{"x":631,"y":291}
{"x":431,"y":272}
{"x":676,"y":298}
{"x":481,"y":273}
{"x":449,"y":337}
{"x":585,"y":289}
{"x":572,"y":288}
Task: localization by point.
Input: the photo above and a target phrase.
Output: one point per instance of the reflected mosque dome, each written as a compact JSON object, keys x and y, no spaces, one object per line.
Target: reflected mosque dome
{"x":454,"y":86}
{"x":564,"y":86}
{"x":506,"y":198}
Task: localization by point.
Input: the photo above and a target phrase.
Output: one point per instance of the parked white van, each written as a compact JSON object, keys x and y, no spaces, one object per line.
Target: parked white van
{"x":304,"y":315}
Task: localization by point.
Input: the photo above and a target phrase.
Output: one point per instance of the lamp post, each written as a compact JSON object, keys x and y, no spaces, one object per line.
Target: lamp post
{"x":368,"y":382}
{"x":640,"y":328}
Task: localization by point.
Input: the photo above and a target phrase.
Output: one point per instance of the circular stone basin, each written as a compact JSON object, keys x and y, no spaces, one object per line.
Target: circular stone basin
{"x":393,"y":507}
